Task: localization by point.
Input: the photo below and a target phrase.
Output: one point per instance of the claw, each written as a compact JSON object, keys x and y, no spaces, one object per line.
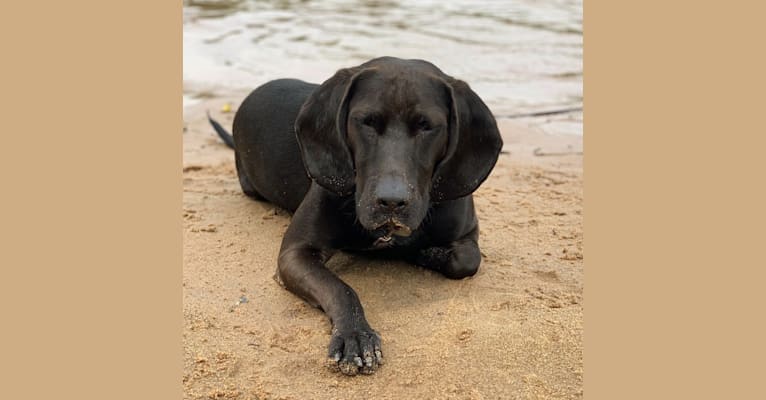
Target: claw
{"x":368,"y":370}
{"x":348,"y":369}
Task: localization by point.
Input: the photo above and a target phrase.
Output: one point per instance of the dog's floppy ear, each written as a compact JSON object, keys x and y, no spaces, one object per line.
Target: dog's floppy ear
{"x":321,"y":131}
{"x":474,"y":145}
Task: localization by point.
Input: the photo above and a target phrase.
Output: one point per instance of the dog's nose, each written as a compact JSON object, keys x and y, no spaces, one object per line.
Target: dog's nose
{"x":392,"y":203}
{"x":392,"y":194}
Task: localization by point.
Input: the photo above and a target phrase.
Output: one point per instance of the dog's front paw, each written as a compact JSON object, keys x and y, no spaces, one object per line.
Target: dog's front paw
{"x":458,"y":261}
{"x":355,"y":350}
{"x":434,"y":258}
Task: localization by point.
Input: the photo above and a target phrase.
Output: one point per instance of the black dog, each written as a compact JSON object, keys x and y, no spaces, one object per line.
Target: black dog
{"x":383,"y":156}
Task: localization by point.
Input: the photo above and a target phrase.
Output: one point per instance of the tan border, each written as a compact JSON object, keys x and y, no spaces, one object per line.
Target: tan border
{"x":91,"y":179}
{"x":91,"y":175}
{"x":673,"y":93}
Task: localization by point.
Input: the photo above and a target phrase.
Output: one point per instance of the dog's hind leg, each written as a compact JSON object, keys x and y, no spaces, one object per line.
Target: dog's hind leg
{"x":244,"y":182}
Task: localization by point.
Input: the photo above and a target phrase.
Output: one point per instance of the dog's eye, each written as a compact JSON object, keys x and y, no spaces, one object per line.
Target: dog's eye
{"x":372,"y":121}
{"x":423,"y":125}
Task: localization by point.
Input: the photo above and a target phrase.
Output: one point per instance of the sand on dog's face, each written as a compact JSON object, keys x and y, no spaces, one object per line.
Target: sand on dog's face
{"x":515,"y":330}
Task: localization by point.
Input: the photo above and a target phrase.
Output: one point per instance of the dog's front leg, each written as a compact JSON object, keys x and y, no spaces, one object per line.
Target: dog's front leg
{"x":456,"y":260}
{"x":354,"y":346}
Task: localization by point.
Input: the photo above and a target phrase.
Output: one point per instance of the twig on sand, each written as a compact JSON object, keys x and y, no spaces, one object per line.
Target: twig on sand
{"x":542,"y":113}
{"x":540,"y":153}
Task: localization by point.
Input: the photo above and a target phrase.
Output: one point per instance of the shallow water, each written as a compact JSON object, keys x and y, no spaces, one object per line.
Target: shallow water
{"x":520,"y":56}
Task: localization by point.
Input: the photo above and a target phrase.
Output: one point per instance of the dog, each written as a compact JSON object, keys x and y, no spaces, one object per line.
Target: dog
{"x":383,"y":156}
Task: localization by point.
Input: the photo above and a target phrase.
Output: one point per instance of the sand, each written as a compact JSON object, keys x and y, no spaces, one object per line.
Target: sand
{"x":513,"y":331}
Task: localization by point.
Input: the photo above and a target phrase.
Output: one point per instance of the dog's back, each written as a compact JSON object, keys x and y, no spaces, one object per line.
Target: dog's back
{"x":268,"y":156}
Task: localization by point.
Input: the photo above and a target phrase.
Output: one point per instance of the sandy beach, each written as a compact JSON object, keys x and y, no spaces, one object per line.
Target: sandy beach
{"x":513,"y":331}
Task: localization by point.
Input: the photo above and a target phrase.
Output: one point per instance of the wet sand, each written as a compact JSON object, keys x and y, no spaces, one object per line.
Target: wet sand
{"x":513,"y":331}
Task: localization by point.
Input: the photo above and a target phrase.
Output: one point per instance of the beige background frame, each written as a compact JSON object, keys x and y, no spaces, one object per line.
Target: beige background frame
{"x":91,"y":174}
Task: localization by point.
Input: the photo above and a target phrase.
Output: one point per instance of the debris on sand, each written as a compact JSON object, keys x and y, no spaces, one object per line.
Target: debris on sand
{"x":241,"y":300}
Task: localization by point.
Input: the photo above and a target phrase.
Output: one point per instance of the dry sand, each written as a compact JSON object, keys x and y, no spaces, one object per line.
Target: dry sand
{"x":513,"y":331}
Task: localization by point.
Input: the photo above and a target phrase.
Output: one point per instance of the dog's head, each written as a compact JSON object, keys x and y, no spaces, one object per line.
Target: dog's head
{"x":398,"y":134}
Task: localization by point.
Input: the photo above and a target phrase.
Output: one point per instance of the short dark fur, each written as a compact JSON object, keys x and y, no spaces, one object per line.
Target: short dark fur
{"x":383,"y":156}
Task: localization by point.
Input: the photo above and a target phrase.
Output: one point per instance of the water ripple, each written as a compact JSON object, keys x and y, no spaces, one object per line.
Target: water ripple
{"x":520,"y":56}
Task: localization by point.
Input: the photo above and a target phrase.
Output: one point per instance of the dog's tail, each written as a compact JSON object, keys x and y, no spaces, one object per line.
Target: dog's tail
{"x":225,"y":136}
